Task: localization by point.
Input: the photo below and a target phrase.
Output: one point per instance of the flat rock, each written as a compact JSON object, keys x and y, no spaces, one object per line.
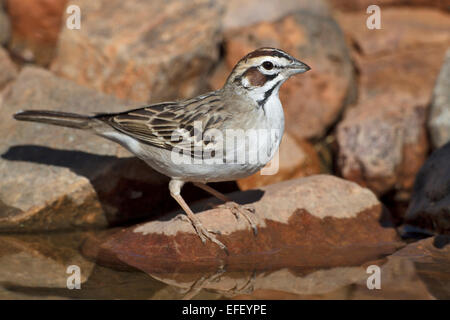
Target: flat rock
{"x":35,"y":28}
{"x":57,"y":178}
{"x":295,"y":159}
{"x":314,"y":100}
{"x":430,"y":204}
{"x":439,"y":119}
{"x":121,"y":51}
{"x":314,"y":221}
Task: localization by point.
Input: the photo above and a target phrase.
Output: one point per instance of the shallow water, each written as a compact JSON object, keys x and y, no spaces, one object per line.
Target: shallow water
{"x":35,"y":267}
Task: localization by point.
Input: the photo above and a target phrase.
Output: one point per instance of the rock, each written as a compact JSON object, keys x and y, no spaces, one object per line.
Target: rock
{"x":361,"y":5}
{"x":60,"y":178}
{"x":401,"y":28}
{"x":439,"y":119}
{"x":382,"y":143}
{"x":39,"y":263}
{"x":9,"y":70}
{"x":241,"y":14}
{"x":5,"y":25}
{"x":313,"y":101}
{"x":35,"y":28}
{"x":430,"y":204}
{"x":163,"y":57}
{"x":296,"y":159}
{"x":309,"y":222}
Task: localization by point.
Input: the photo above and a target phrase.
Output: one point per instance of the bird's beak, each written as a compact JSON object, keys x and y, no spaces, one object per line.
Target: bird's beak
{"x":298,"y":67}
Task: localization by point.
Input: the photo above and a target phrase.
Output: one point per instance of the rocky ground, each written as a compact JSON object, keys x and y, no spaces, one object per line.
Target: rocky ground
{"x":364,"y":173}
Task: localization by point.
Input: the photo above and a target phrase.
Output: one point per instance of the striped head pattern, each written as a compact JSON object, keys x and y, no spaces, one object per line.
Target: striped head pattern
{"x":261,"y":72}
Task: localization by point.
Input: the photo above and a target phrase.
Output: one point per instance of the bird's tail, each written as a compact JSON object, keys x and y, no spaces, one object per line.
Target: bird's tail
{"x":63,"y":119}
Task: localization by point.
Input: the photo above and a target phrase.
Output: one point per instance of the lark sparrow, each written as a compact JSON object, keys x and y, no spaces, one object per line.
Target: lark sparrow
{"x":248,"y":101}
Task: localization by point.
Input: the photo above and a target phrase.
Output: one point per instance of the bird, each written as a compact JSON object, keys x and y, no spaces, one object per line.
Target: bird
{"x":169,"y":135}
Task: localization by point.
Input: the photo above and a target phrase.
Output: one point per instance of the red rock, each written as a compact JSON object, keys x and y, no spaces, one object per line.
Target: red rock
{"x":35,"y":28}
{"x":142,"y":50}
{"x":315,"y":221}
{"x":295,"y":160}
{"x":313,"y":101}
{"x":382,"y":143}
{"x":401,"y":28}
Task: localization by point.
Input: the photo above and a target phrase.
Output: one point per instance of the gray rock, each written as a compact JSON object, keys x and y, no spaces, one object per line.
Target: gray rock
{"x":439,"y":120}
{"x":7,"y":67}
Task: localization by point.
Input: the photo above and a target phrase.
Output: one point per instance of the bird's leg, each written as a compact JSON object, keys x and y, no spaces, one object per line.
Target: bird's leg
{"x":175,"y":192}
{"x":235,"y":208}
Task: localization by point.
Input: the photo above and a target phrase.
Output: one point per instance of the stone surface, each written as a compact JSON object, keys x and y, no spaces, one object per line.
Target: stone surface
{"x":295,"y":159}
{"x":161,"y":58}
{"x":361,"y":5}
{"x":309,"y":222}
{"x":35,"y":28}
{"x":39,"y":262}
{"x":401,"y":28}
{"x":5,"y":25}
{"x":9,"y":70}
{"x":382,"y":140}
{"x":61,"y":178}
{"x":241,"y":14}
{"x":430,"y":204}
{"x":382,"y":143}
{"x":313,"y":101}
{"x":439,"y":119}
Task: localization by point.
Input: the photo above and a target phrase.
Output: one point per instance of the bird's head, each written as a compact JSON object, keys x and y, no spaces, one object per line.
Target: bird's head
{"x":261,"y":72}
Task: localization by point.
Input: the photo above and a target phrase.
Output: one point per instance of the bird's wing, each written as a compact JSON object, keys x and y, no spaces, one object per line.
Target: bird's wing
{"x":172,"y":125}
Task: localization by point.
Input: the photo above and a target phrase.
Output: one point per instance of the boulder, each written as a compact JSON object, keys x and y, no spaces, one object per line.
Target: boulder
{"x":439,"y":119}
{"x":313,"y":101}
{"x":308,"y":222}
{"x":142,"y":50}
{"x":35,"y":28}
{"x":429,"y":208}
{"x":60,"y":178}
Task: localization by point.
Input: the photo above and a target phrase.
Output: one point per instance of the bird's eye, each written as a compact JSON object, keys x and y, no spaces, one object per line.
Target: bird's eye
{"x":267,"y":65}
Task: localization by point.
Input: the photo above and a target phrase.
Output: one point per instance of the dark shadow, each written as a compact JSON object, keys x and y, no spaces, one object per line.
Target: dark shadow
{"x":440,"y":241}
{"x":128,"y":189}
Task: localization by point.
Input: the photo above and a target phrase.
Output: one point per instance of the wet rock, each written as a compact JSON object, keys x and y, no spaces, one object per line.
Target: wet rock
{"x":9,"y":70}
{"x":35,"y":28}
{"x":57,"y":178}
{"x":161,"y":58}
{"x":5,"y":25}
{"x":296,"y":159}
{"x":439,"y":119}
{"x":382,"y":143}
{"x":430,"y":204}
{"x":314,"y":221}
{"x":39,"y":261}
{"x":313,"y":101}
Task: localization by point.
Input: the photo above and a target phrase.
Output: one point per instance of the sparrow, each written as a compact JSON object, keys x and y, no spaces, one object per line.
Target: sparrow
{"x":159,"y":133}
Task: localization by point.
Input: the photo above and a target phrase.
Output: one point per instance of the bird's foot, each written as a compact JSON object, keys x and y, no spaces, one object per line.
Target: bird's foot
{"x":205,"y":234}
{"x":243,"y":210}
